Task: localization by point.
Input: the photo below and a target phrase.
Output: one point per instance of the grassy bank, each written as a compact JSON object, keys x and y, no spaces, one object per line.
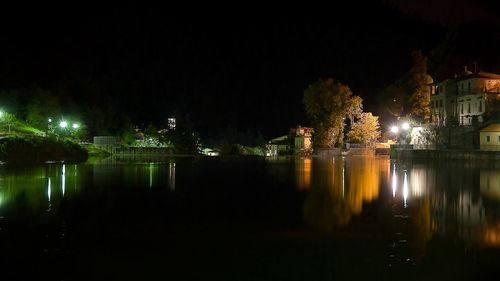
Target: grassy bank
{"x":35,"y":149}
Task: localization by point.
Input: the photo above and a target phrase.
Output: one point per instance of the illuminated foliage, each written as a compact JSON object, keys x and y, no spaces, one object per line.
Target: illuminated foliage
{"x":366,"y":130}
{"x":419,"y":80}
{"x":328,"y":103}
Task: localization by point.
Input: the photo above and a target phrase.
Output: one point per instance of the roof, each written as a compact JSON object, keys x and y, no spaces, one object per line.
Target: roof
{"x":279,"y":140}
{"x":480,"y":74}
{"x":491,"y":128}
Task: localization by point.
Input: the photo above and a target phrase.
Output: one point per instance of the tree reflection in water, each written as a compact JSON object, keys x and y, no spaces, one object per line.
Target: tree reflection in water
{"x":340,"y":188}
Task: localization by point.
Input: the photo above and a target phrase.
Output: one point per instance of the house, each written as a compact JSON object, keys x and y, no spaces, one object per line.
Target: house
{"x":465,"y":99}
{"x":489,"y":137}
{"x":302,"y":140}
{"x":279,"y":146}
{"x":298,"y":142}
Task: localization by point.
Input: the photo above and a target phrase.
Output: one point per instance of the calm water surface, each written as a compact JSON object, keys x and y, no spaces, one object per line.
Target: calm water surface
{"x":250,"y":219}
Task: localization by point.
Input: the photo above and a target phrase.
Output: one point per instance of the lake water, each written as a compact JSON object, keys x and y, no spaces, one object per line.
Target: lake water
{"x":340,"y":218}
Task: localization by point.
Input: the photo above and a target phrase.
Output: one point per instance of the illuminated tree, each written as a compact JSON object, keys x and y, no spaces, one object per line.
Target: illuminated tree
{"x":328,"y":103}
{"x":366,"y":130}
{"x":409,"y":95}
{"x":418,"y":83}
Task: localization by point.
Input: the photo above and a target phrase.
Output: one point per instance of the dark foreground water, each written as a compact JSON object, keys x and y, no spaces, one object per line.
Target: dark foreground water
{"x":353,"y":218}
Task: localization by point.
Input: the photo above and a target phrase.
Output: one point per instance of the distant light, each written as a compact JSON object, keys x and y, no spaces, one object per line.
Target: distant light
{"x":405,"y":126}
{"x":75,"y":126}
{"x":394,"y":129}
{"x":1,"y":113}
{"x":63,"y":124}
{"x":50,"y":120}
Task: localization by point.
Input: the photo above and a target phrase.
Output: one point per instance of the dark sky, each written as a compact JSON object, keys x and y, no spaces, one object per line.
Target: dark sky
{"x":245,"y":68}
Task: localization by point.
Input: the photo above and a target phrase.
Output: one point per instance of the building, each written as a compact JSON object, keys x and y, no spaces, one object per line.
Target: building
{"x":489,"y":138}
{"x":465,"y":99}
{"x":298,"y":142}
{"x":302,"y":140}
{"x":279,"y":146}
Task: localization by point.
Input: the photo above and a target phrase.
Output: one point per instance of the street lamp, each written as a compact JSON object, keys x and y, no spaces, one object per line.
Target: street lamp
{"x":405,"y":126}
{"x":63,"y":124}
{"x":395,"y":129}
{"x":75,"y":126}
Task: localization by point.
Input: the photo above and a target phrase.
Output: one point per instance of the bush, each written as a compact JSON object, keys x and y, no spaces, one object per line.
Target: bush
{"x":39,"y":150}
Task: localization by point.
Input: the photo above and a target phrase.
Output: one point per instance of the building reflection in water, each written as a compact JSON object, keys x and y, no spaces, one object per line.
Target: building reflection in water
{"x":340,"y":187}
{"x":445,"y":200}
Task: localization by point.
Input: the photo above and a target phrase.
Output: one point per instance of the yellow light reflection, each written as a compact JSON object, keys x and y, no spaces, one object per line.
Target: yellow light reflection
{"x":340,"y":190}
{"x":394,"y":181}
{"x":303,"y":172}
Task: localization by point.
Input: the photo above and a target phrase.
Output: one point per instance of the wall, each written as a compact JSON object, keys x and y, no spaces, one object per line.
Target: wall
{"x":493,"y":144}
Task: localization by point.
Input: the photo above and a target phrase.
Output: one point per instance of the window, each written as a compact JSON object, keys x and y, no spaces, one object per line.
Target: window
{"x":487,"y":138}
{"x":480,"y":106}
{"x":462,"y":108}
{"x":498,"y":138}
{"x":469,"y":88}
{"x":468,"y":107}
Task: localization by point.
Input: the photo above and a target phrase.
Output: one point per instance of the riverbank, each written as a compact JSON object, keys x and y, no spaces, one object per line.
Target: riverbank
{"x":36,"y":149}
{"x":427,"y":154}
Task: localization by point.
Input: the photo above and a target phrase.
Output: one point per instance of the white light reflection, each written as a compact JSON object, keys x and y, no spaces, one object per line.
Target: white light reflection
{"x":394,"y":181}
{"x":48,"y":189}
{"x":405,"y":191}
{"x":63,"y":179}
{"x":171,"y":175}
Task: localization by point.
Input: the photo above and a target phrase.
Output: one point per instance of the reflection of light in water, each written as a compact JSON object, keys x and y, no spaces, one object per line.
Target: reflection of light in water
{"x":48,"y":189}
{"x":303,"y":173}
{"x":63,"y":179}
{"x":150,"y":175}
{"x":171,"y":175}
{"x":394,"y":181}
{"x":405,"y":190}
{"x":343,"y":179}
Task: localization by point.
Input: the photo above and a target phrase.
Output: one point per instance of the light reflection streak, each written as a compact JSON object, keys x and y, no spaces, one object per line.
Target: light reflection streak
{"x":394,"y":181}
{"x":405,"y":191}
{"x":48,"y":190}
{"x":63,"y":180}
{"x":171,"y":175}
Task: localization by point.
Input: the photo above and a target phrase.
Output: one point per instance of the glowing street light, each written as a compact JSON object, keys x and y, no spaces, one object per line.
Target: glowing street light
{"x":395,"y":129}
{"x":63,"y":124}
{"x":405,"y":126}
{"x":75,"y":126}
{"x":50,"y":120}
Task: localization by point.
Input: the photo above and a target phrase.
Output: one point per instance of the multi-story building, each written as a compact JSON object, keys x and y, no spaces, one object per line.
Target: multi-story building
{"x":464,"y":99}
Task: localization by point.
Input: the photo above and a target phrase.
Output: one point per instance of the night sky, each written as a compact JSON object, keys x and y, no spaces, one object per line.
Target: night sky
{"x":246,"y":67}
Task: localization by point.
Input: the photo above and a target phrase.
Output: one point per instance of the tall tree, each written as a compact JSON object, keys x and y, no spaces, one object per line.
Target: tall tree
{"x":418,"y":83}
{"x":366,"y":130}
{"x":328,"y":103}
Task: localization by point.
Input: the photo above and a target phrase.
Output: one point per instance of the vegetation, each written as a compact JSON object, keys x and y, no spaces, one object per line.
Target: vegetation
{"x":328,"y":103}
{"x":15,"y":149}
{"x":409,"y":95}
{"x":366,"y":130}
